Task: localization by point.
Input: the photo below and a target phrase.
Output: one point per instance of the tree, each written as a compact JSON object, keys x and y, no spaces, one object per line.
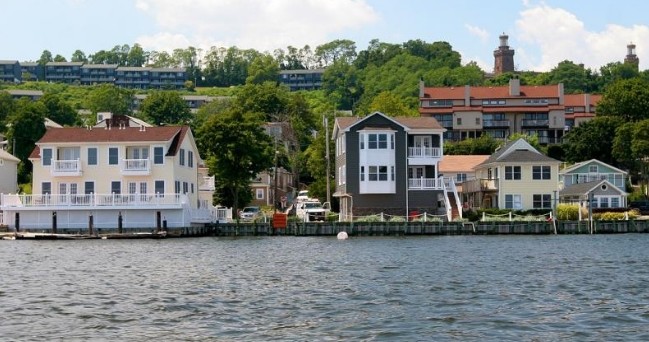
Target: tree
{"x":136,"y":56}
{"x":27,"y":125}
{"x":574,"y":77}
{"x":59,"y":58}
{"x":109,"y":98}
{"x":263,"y":68}
{"x":165,"y":107}
{"x":237,"y":149}
{"x":342,"y":82}
{"x":336,"y":50}
{"x":267,"y":98}
{"x":390,"y":104}
{"x":6,"y":107}
{"x":626,"y":99}
{"x":46,"y":57}
{"x":78,"y":56}
{"x":484,"y":144}
{"x":592,"y":140}
{"x":59,"y":111}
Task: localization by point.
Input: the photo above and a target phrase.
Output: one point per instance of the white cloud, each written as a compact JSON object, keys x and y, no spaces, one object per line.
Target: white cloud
{"x":261,"y":25}
{"x":561,"y":35}
{"x":478,"y":32}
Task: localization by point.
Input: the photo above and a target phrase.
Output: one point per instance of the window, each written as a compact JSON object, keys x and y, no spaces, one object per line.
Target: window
{"x":92,"y":156}
{"x":159,"y":187}
{"x":177,"y":187}
{"x":182,"y":156}
{"x":260,"y":194}
{"x":158,"y":155}
{"x":377,"y":141}
{"x":592,"y":168}
{"x":116,"y":187}
{"x":190,"y":158}
{"x":392,"y":141}
{"x":512,"y":172}
{"x":540,"y":172}
{"x":460,"y":177}
{"x":46,"y":188}
{"x":378,"y":173}
{"x":458,"y":121}
{"x":47,"y":157}
{"x":603,"y":202}
{"x":392,"y":172}
{"x":362,"y":140}
{"x":513,"y":202}
{"x":542,"y":201}
{"x":185,"y":187}
{"x":615,"y":202}
{"x":362,"y":173}
{"x":89,"y":188}
{"x":112,"y":156}
{"x":477,"y":121}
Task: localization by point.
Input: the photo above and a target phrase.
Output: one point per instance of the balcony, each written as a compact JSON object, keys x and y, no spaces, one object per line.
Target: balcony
{"x":66,"y":168}
{"x":424,"y":152}
{"x":480,"y":185}
{"x":535,"y":123}
{"x":136,"y":167}
{"x":96,"y":201}
{"x":495,"y":123}
{"x":425,"y":183}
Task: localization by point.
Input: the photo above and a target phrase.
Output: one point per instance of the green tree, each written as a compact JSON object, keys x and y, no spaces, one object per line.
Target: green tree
{"x":165,"y":107}
{"x":59,"y":111}
{"x":237,"y":149}
{"x":109,"y":98}
{"x":592,"y":140}
{"x":268,"y":98}
{"x":482,"y":145}
{"x":342,"y":82}
{"x":136,"y":56}
{"x":575,"y":78}
{"x":392,"y":105}
{"x":78,"y":56}
{"x":6,"y":108}
{"x":627,"y":99}
{"x":336,"y":50}
{"x":46,"y":57}
{"x":262,"y":69}
{"x":27,"y":125}
{"x":59,"y":58}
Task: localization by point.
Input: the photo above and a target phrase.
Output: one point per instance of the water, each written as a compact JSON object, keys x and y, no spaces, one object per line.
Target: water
{"x":521,"y":288}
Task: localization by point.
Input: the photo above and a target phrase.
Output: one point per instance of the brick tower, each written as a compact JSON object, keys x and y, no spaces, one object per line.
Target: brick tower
{"x":503,"y":57}
{"x":631,"y":57}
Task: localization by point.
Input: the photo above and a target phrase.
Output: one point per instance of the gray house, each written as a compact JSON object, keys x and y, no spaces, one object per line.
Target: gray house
{"x":389,"y":165}
{"x":605,"y":183}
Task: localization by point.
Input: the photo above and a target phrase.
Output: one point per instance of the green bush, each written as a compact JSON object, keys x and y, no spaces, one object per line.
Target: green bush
{"x":570,"y":212}
{"x":369,"y":218}
{"x":397,"y":219}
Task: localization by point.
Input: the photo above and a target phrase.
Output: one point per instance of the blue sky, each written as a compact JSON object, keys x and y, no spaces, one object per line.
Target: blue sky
{"x":542,"y":33}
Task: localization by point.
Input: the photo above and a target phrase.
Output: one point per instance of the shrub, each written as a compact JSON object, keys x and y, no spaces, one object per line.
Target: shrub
{"x":397,"y":219}
{"x":369,"y":218}
{"x":570,"y":212}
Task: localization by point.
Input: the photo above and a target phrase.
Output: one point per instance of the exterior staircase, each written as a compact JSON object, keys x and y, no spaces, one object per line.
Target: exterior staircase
{"x":455,"y":211}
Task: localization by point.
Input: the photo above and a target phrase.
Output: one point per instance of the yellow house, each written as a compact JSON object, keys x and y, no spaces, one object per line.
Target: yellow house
{"x":114,"y":174}
{"x":516,"y":176}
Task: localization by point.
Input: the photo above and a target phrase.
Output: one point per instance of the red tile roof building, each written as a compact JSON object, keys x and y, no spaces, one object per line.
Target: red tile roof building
{"x":500,"y":111}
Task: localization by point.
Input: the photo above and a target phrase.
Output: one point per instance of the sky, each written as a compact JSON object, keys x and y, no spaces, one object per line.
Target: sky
{"x":542,"y":33}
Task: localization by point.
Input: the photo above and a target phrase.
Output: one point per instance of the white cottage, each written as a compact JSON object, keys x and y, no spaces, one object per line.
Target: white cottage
{"x":134,"y":177}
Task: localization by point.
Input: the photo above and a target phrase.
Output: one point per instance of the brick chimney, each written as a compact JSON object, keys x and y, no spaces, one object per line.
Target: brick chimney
{"x":514,"y":87}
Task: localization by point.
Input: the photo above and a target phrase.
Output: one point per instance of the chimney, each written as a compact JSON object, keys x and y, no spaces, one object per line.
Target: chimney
{"x":421,"y":87}
{"x":514,"y":87}
{"x":587,"y":103}
{"x":560,"y":92}
{"x":467,"y":95}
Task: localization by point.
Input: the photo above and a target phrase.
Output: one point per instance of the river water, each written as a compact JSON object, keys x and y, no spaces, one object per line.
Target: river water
{"x":518,"y":288}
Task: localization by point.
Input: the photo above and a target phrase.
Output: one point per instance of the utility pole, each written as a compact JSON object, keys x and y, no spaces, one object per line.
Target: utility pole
{"x":275,"y":180}
{"x":326,"y":125}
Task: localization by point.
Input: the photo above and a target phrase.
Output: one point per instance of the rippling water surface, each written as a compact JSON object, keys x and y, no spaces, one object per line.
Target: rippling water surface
{"x":535,"y":288}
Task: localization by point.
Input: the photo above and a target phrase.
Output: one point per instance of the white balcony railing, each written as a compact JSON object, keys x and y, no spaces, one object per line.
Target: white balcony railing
{"x":66,"y":168}
{"x":425,"y":183}
{"x":95,"y":200}
{"x":136,"y":167}
{"x":424,"y":152}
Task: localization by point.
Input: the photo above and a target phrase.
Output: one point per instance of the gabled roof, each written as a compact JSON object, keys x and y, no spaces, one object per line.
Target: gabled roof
{"x":79,"y":135}
{"x":517,"y":151}
{"x":581,"y":189}
{"x":416,"y":122}
{"x":8,"y":156}
{"x":463,"y":163}
{"x":595,"y":161}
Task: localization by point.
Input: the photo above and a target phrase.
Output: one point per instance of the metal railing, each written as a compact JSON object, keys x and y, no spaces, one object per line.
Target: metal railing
{"x":94,"y":200}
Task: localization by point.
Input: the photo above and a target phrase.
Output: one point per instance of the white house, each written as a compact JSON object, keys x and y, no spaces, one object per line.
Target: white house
{"x":133,"y":177}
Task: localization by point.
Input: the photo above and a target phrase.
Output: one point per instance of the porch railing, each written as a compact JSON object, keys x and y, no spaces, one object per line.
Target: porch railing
{"x":93,"y":200}
{"x":62,"y":167}
{"x":424,"y":152}
{"x":425,"y":183}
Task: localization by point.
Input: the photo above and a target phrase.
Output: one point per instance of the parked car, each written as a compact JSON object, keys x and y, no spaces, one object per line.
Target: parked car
{"x":250,"y":214}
